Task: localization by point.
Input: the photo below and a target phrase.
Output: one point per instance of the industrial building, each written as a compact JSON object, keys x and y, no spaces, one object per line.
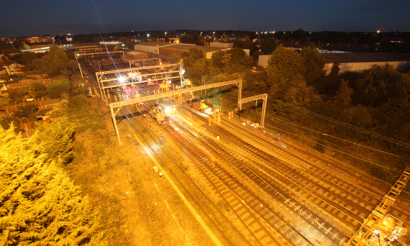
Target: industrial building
{"x":358,"y":61}
{"x":167,"y":49}
{"x":361,"y":61}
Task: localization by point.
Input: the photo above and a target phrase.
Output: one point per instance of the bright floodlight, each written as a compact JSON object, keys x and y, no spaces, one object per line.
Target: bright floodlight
{"x":121,"y":79}
{"x":182,"y":71}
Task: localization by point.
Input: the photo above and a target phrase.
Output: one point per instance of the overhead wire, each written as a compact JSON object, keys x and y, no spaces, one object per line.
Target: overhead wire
{"x":346,"y":125}
{"x":329,"y":135}
{"x":376,"y":164}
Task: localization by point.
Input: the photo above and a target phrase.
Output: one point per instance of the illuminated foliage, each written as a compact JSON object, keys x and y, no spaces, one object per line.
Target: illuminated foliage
{"x":39,"y":204}
{"x":285,"y":70}
{"x":58,"y":87}
{"x":27,"y":113}
{"x":55,"y":141}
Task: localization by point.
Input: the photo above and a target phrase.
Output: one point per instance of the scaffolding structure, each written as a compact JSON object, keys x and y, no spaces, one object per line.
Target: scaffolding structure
{"x":116,"y":106}
{"x":366,"y":230}
{"x":121,"y":77}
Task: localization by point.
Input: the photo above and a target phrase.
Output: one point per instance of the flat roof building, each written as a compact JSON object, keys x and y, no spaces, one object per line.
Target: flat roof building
{"x":167,"y":49}
{"x":358,"y":61}
{"x":361,"y":61}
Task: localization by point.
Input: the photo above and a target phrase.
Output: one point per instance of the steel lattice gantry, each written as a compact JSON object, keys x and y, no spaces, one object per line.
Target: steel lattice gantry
{"x":365,"y":231}
{"x":263,"y":97}
{"x":117,"y":105}
{"x":165,"y":71}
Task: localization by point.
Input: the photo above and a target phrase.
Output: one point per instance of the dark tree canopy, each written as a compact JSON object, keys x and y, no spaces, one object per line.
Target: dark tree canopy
{"x":269,"y":44}
{"x":58,"y":87}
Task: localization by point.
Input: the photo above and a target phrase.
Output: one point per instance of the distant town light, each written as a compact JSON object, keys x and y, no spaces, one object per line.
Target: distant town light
{"x":378,"y":31}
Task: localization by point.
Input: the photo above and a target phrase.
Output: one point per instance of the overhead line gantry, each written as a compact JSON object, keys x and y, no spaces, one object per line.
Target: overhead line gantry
{"x":115,"y":107}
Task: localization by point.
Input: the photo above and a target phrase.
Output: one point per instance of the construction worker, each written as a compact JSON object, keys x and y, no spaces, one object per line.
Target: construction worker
{"x":219,"y":119}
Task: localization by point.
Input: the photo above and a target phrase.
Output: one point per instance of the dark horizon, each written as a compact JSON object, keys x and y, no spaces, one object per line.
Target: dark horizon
{"x":88,"y":17}
{"x":193,"y":30}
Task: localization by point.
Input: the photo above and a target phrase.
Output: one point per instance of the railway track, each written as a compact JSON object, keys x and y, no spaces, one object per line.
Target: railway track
{"x":250,"y":209}
{"x":345,"y":203}
{"x":297,"y":187}
{"x":161,"y":153}
{"x":399,"y":210}
{"x":252,"y":217}
{"x":353,"y":197}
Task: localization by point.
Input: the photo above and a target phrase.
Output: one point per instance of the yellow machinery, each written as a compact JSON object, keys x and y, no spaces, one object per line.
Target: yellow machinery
{"x":164,"y":86}
{"x":157,"y":113}
{"x":169,"y":111}
{"x":205,"y":107}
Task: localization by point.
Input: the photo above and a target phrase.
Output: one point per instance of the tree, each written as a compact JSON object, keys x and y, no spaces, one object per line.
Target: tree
{"x":200,"y":42}
{"x":191,"y":56}
{"x":269,"y":45}
{"x":285,"y":67}
{"x":238,"y":61}
{"x":17,"y":95}
{"x":314,"y":63}
{"x":7,"y":121}
{"x":54,"y":63}
{"x":196,"y":53}
{"x":256,"y":54}
{"x":41,"y":65}
{"x":333,"y":80}
{"x":285,"y":77}
{"x":79,"y":103}
{"x":16,"y":44}
{"x":58,"y":86}
{"x":381,"y":83}
{"x":238,"y":44}
{"x":174,"y":59}
{"x":334,"y":72}
{"x":27,"y":58}
{"x":343,"y":96}
{"x":27,"y":113}
{"x":56,"y":141}
{"x":299,"y":34}
{"x":38,"y":86}
{"x":39,"y":203}
{"x":218,"y":59}
{"x":57,"y":60}
{"x":128,"y":42}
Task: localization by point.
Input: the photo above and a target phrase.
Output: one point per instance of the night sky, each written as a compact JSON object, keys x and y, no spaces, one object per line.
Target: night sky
{"x":42,"y":17}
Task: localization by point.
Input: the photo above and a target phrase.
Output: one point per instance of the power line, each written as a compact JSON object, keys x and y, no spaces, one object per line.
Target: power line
{"x":347,"y":125}
{"x":325,"y":134}
{"x":384,"y":167}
